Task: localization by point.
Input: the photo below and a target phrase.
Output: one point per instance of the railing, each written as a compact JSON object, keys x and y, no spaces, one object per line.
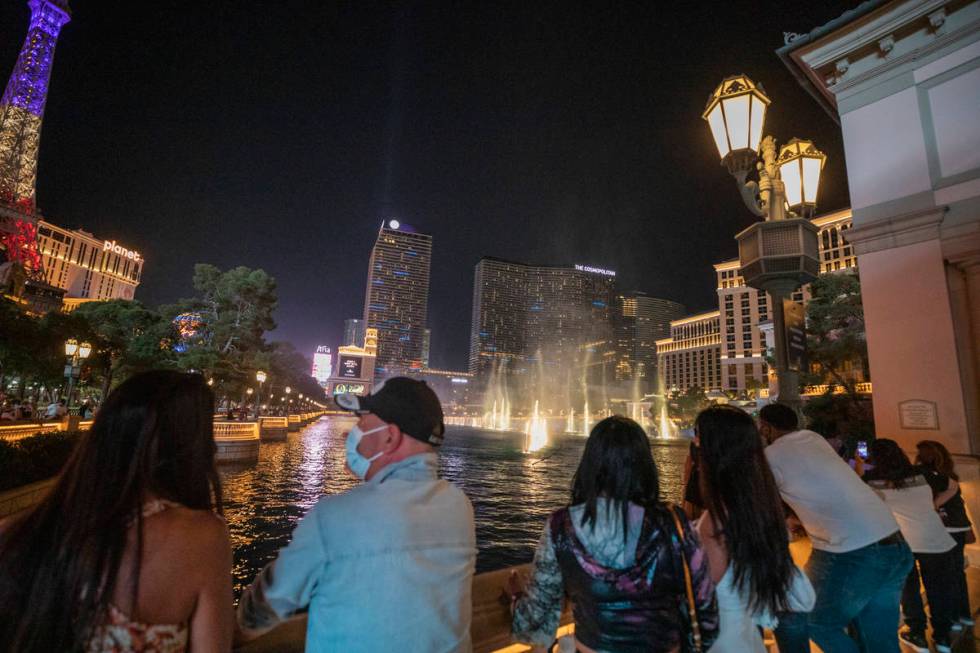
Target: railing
{"x":490,"y":629}
{"x":236,"y":430}
{"x":863,"y":388}
{"x":13,"y":432}
{"x":273,"y":422}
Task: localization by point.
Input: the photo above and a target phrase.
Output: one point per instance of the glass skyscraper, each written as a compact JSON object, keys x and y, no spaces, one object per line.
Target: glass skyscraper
{"x":397,"y":295}
{"x":554,"y":315}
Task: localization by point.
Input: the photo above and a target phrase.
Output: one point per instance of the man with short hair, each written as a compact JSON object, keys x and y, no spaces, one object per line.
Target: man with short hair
{"x":860,"y":560}
{"x":387,"y":565}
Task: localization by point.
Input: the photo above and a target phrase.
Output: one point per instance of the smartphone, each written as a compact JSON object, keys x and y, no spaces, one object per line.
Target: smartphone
{"x":862,"y":449}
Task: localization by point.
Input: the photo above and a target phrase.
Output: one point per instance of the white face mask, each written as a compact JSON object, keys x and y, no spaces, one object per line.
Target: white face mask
{"x":357,"y":463}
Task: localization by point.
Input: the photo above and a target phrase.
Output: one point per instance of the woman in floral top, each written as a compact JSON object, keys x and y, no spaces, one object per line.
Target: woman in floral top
{"x":615,"y":551}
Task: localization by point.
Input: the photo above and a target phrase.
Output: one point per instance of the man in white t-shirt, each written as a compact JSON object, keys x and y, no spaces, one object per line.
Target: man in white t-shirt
{"x":860,"y":560}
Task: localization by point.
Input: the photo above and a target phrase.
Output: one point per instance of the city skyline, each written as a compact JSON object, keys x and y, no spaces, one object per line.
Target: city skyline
{"x":204,"y":169}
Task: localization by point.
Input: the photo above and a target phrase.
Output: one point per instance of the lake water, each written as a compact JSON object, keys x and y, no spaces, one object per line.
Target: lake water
{"x":512,"y":492}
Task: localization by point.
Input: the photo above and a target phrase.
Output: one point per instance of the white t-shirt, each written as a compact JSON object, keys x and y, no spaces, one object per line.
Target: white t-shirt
{"x":912,"y":506}
{"x":839,"y":511}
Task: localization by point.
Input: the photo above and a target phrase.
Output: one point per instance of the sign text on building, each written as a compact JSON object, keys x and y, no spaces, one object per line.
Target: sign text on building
{"x":111,"y":246}
{"x":589,"y":268}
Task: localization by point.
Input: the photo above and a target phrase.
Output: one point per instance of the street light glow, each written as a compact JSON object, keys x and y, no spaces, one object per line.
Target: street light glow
{"x":736,"y":113}
{"x":84,"y":350}
{"x":71,"y":346}
{"x":260,"y":376}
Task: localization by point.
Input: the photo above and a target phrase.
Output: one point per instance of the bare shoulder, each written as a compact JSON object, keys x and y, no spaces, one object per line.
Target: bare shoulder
{"x":194,"y":531}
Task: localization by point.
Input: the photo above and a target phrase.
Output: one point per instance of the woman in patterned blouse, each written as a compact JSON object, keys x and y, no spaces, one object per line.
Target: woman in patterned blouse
{"x":615,"y":551}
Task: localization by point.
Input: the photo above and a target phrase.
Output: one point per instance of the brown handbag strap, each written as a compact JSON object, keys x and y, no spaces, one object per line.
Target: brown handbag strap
{"x":689,"y":586}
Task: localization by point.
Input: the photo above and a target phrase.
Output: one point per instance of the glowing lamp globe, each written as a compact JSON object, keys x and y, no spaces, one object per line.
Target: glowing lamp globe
{"x":260,"y":376}
{"x":288,"y":390}
{"x":735,"y":113}
{"x":84,"y":350}
{"x":249,"y":392}
{"x":800,"y":164}
{"x":71,"y":347}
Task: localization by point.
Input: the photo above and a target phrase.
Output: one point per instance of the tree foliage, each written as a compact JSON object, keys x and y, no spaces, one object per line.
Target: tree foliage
{"x":684,"y":407}
{"x":836,"y":344}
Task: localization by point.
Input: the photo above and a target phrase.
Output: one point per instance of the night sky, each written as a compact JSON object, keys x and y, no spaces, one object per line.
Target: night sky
{"x":278,"y":134}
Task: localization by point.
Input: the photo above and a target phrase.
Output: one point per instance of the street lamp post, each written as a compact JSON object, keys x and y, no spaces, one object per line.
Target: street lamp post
{"x":260,"y":376}
{"x":74,"y":354}
{"x":288,"y":401}
{"x":779,"y":253}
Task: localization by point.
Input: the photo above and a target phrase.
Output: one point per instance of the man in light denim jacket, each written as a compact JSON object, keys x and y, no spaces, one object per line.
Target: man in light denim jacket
{"x":387,"y":565}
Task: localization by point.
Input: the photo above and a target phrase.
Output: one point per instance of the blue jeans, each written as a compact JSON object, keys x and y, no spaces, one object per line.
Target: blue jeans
{"x":860,"y":588}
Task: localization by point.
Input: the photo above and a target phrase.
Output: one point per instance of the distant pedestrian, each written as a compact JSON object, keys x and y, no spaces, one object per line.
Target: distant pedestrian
{"x":860,"y":560}
{"x":937,"y":465}
{"x":909,"y":496}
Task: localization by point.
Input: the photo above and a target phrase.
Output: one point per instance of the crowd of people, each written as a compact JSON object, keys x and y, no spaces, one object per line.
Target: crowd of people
{"x":389,"y":564}
{"x":17,"y":410}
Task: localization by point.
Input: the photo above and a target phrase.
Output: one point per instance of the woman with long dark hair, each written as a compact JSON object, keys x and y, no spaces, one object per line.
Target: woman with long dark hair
{"x":128,"y":552}
{"x":937,"y":465}
{"x":905,"y":490}
{"x":617,"y":552}
{"x":744,"y":531}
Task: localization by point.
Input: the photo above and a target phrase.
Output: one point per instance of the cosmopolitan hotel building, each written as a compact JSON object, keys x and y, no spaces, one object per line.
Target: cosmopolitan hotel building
{"x":397,"y":295}
{"x":86,"y":268}
{"x":521,"y":311}
{"x":732,"y":357}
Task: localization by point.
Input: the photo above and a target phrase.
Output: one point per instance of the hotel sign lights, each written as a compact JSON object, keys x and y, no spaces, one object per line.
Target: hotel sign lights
{"x":589,"y":268}
{"x":111,"y":246}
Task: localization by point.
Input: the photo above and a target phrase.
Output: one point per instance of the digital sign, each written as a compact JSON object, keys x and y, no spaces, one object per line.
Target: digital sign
{"x":322,"y":367}
{"x":349,"y":388}
{"x":349,"y":367}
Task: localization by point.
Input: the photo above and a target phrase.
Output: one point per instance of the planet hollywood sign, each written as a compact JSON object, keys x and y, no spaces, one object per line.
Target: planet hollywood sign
{"x":111,"y":246}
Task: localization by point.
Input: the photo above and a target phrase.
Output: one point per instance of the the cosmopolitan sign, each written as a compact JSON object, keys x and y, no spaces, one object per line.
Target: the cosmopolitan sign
{"x":111,"y":246}
{"x":589,"y":268}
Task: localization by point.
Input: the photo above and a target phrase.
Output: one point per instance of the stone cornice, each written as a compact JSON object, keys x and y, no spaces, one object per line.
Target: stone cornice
{"x":896,"y":231}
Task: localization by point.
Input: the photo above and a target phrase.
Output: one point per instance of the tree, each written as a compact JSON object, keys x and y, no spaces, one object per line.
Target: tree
{"x":685,"y":406}
{"x":130,"y":338}
{"x":837,"y":352}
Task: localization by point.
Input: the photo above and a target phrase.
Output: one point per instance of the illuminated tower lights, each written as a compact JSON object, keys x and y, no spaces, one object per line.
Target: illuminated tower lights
{"x":22,"y":105}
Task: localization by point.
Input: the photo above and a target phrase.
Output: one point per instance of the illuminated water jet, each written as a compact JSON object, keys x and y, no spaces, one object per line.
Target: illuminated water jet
{"x":536,"y":433}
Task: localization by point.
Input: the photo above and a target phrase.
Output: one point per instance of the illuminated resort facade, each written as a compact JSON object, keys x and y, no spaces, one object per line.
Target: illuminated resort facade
{"x":397,"y":296}
{"x":85,"y":267}
{"x":550,"y":317}
{"x":743,"y":313}
{"x":691,"y":356}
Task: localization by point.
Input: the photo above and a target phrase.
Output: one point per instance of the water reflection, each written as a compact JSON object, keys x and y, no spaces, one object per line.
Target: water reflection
{"x":512,"y":492}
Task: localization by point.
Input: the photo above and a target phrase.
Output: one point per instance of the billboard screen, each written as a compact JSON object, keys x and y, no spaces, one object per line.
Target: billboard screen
{"x":349,"y":367}
{"x":322,"y":368}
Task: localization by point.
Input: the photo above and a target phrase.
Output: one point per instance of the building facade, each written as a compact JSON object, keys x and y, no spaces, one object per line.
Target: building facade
{"x":353,"y":332}
{"x":397,"y":296}
{"x":354,"y":371}
{"x":691,"y":356}
{"x":85,"y":267}
{"x":743,"y":309}
{"x":902,"y":78}
{"x":640,"y":321}
{"x":552,"y":317}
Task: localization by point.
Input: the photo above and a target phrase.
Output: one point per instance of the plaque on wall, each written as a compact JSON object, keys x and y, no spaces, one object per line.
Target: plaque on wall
{"x":918,"y":414}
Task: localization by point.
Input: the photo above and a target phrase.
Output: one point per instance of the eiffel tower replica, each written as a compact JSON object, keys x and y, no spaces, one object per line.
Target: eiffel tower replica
{"x":21,"y":115}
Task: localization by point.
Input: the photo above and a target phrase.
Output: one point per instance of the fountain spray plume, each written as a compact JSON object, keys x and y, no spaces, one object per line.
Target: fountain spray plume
{"x":666,"y":429}
{"x":536,"y":433}
{"x":496,"y":400}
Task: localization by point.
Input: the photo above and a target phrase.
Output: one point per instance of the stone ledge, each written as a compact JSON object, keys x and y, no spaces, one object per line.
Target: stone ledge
{"x":23,"y":497}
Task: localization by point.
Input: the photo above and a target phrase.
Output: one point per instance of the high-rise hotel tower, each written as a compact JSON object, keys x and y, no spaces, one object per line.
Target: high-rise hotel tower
{"x":397,"y":296}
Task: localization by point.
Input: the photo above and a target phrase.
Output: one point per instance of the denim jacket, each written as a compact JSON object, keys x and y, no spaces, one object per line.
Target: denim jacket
{"x":386,"y":566}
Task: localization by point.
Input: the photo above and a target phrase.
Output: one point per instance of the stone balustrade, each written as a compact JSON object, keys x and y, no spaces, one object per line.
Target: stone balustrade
{"x":273,"y":429}
{"x":295,"y":423}
{"x":236,"y":441}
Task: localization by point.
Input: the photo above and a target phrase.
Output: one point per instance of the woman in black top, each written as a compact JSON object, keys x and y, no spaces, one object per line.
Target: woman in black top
{"x":937,"y":465}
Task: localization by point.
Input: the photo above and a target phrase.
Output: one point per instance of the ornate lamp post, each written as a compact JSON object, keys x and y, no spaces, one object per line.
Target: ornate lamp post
{"x":288,"y":401}
{"x":74,"y":354}
{"x":260,"y":376}
{"x":780,"y":253}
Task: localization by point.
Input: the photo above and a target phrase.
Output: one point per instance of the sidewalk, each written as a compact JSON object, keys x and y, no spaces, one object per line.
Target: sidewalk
{"x":969,"y":642}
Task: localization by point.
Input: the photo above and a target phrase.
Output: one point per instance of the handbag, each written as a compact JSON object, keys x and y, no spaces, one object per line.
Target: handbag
{"x":692,"y":610}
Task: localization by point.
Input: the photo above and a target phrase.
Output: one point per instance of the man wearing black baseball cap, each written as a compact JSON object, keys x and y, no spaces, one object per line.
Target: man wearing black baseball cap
{"x":388,"y":564}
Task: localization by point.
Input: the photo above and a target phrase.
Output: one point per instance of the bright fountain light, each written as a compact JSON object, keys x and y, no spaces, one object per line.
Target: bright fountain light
{"x":667,"y":430}
{"x":570,"y":422}
{"x":536,"y":434}
{"x":585,"y":420}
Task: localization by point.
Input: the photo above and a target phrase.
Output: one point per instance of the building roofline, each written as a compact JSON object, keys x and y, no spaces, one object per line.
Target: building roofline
{"x":794,"y":42}
{"x":552,"y":266}
{"x":696,"y":318}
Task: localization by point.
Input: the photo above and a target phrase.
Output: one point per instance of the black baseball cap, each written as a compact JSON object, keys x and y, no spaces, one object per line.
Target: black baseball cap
{"x":407,"y":403}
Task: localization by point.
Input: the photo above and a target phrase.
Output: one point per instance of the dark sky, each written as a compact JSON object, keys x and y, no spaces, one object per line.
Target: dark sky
{"x":278,"y":134}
